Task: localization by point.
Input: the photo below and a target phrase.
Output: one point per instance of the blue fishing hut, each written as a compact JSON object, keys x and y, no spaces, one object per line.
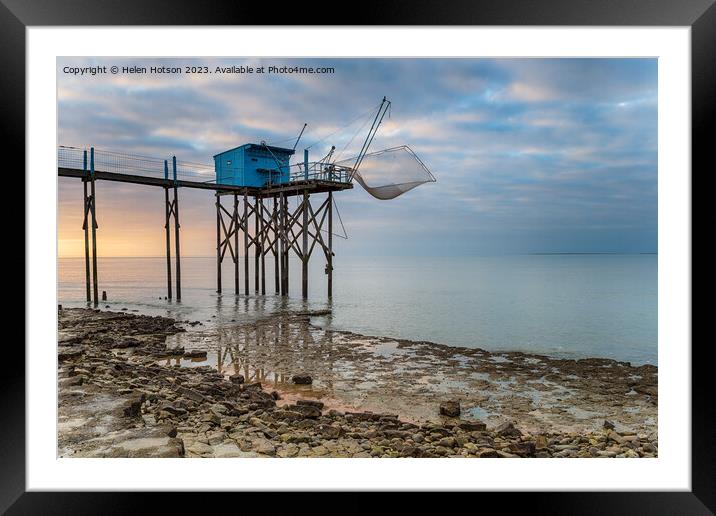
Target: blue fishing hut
{"x":254,"y":165}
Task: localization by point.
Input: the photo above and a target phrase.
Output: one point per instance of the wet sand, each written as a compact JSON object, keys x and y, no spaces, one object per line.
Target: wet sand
{"x":357,"y":372}
{"x":558,"y":405}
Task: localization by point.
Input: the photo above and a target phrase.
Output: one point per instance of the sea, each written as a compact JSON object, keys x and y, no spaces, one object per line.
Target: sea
{"x":569,"y":306}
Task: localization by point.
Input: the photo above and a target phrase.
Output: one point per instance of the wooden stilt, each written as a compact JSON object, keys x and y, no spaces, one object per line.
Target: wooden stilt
{"x":176,"y":242}
{"x":304,"y":247}
{"x":246,"y":243}
{"x":95,"y":293}
{"x":218,"y":243}
{"x":329,"y":265}
{"x":85,"y":226}
{"x":236,"y":244}
{"x":263,"y":230}
{"x":275,"y":246}
{"x":257,"y":245}
{"x":167,"y":231}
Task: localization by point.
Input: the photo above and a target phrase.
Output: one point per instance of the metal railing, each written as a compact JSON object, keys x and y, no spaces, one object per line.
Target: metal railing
{"x":133,"y":164}
{"x":322,"y":172}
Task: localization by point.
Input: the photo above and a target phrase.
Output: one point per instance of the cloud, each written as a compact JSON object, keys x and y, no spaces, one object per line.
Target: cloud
{"x":530,"y":154}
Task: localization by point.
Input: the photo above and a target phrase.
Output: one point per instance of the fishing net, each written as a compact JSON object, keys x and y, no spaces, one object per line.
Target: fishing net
{"x":388,"y":173}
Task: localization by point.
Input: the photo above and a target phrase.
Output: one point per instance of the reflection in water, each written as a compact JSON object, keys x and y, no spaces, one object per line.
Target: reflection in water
{"x":360,"y":373}
{"x":270,"y":352}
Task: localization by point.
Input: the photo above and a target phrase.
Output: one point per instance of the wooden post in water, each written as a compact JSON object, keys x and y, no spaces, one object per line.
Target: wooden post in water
{"x":246,"y":242}
{"x":218,"y":243}
{"x":236,"y":244}
{"x":330,"y":245}
{"x":176,"y":228}
{"x":167,"y":217}
{"x":86,"y":229}
{"x":262,"y":230}
{"x":287,"y":247}
{"x":95,"y":293}
{"x":257,"y":245}
{"x":304,"y":247}
{"x":275,"y":246}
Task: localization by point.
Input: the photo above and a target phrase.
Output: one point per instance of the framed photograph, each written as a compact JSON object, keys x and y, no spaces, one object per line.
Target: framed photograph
{"x":449,"y":250}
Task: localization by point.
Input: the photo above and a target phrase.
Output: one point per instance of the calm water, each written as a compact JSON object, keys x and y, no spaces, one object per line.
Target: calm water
{"x":564,"y":305}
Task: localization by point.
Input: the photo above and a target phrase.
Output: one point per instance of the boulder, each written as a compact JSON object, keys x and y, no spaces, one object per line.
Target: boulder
{"x":450,"y":408}
{"x":525,"y":449}
{"x":472,"y":426}
{"x":195,"y":353}
{"x":302,"y":379}
{"x":237,"y":378}
{"x":311,"y":403}
{"x":508,"y":430}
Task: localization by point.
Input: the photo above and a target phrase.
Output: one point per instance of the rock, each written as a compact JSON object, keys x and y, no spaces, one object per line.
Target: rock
{"x":237,"y":378}
{"x":472,"y":426}
{"x":330,"y":431}
{"x":127,"y":343}
{"x":488,"y":453}
{"x":176,"y":411}
{"x":72,"y":381}
{"x":133,"y":407}
{"x":69,"y":354}
{"x":218,"y":409}
{"x":541,"y":442}
{"x":608,"y":425}
{"x":302,"y":379}
{"x":447,"y":442}
{"x":199,"y":448}
{"x":275,"y":395}
{"x":309,"y":411}
{"x":191,"y":394}
{"x":215,"y":438}
{"x":526,"y":448}
{"x":263,"y":446}
{"x":611,"y":434}
{"x":311,"y":403}
{"x":249,"y":387}
{"x":170,"y":430}
{"x":195,"y":354}
{"x":211,"y":418}
{"x":289,"y":415}
{"x":450,"y":408}
{"x":508,"y":430}
{"x":229,"y":449}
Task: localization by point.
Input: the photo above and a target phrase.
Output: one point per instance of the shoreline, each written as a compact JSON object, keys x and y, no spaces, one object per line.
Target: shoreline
{"x":513,"y":403}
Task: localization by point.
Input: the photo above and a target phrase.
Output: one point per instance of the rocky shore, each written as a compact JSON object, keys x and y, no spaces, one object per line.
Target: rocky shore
{"x":135,"y":386}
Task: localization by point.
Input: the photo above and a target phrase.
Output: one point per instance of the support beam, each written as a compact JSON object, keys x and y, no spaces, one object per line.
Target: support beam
{"x":176,"y":229}
{"x":283,"y":228}
{"x":246,"y":243}
{"x":257,"y":245}
{"x":95,"y":294}
{"x":262,"y":242}
{"x":275,"y":247}
{"x":236,"y":243}
{"x":218,"y":243}
{"x":168,"y":209}
{"x":228,"y":226}
{"x":85,"y":207}
{"x":304,"y":247}
{"x":329,"y":264}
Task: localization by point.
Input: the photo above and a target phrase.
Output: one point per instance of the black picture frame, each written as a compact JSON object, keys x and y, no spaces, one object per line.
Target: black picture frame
{"x":700,"y":15}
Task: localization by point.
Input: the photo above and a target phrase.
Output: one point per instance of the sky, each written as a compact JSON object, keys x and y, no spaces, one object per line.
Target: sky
{"x":530,"y":155}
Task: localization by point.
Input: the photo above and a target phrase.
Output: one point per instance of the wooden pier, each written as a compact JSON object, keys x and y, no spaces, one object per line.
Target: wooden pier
{"x":260,"y":217}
